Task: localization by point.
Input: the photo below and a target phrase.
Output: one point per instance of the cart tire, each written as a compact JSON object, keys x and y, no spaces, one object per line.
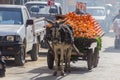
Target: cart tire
{"x":117,"y":43}
{"x":50,"y":59}
{"x":90,"y":59}
{"x":96,"y":57}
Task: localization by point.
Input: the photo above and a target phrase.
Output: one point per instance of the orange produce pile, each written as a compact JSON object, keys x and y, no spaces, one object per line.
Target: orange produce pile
{"x":83,"y":25}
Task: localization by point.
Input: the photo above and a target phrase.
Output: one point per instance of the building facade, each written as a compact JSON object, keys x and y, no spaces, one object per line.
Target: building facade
{"x":7,"y":1}
{"x":13,"y":1}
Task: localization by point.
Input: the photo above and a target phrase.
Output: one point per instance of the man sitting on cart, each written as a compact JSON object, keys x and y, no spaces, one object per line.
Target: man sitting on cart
{"x":80,"y":8}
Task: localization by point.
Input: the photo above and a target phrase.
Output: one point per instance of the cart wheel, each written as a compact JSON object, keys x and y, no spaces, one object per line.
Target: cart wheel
{"x":96,"y":57}
{"x":50,"y":59}
{"x":90,"y":59}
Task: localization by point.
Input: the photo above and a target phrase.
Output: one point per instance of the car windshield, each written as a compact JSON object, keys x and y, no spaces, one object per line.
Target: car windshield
{"x":96,"y":12}
{"x":11,"y":16}
{"x":41,"y":9}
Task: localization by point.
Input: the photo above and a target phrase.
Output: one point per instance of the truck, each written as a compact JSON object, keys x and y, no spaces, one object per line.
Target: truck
{"x":19,"y":33}
{"x":42,"y":9}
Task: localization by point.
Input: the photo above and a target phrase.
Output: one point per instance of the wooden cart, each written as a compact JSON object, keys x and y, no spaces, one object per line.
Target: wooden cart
{"x":83,"y":49}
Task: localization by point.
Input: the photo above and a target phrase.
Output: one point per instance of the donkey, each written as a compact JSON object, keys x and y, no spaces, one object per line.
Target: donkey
{"x":61,"y":36}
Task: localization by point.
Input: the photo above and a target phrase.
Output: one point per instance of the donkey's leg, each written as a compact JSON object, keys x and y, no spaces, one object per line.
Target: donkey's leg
{"x":56,"y":61}
{"x":62,"y":60}
{"x":65,"y":53}
{"x":68,"y":58}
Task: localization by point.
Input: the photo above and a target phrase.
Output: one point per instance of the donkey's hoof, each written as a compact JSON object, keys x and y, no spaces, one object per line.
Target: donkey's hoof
{"x":62,"y":73}
{"x":55,"y":73}
{"x":65,"y":70}
{"x":69,"y":71}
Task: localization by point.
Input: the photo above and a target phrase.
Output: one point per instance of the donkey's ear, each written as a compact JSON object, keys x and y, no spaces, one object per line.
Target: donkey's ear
{"x":50,"y":21}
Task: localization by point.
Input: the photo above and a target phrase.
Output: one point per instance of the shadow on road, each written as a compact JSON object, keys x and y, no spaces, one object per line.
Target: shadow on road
{"x":43,"y":73}
{"x":10,"y":61}
{"x":42,"y":54}
{"x":112,"y":50}
{"x":46,"y":74}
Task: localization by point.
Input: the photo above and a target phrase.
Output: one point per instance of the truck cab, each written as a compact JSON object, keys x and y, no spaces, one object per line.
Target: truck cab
{"x":19,"y":34}
{"x":42,"y":9}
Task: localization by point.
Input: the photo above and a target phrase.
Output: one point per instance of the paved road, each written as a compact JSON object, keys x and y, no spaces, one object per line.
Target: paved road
{"x":108,"y":67}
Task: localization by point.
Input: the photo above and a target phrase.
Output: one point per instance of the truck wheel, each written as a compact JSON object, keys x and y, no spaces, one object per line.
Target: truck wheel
{"x":20,"y":58}
{"x":90,"y":59}
{"x":96,"y":57}
{"x":34,"y":52}
{"x":50,"y":59}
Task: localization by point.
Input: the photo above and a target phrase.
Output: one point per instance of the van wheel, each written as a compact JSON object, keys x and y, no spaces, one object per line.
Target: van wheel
{"x":34,"y":52}
{"x":20,"y":58}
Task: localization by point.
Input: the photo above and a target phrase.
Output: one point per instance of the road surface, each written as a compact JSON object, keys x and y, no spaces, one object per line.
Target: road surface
{"x":108,"y":67}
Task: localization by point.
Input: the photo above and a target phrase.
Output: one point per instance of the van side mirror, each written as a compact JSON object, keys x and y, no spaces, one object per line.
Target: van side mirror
{"x":29,"y":22}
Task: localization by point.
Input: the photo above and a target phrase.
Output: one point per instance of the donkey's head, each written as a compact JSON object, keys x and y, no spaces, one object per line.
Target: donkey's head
{"x":54,"y":31}
{"x":67,"y":35}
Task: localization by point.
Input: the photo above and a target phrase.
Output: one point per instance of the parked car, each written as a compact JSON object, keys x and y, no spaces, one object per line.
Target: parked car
{"x":19,"y":34}
{"x":99,"y":13}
